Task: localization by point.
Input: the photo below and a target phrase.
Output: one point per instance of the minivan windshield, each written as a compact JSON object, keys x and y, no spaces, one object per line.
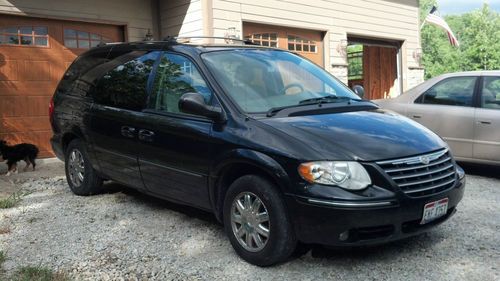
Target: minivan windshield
{"x":263,"y":80}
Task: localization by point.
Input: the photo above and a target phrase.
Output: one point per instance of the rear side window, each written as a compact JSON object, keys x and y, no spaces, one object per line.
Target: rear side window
{"x":125,"y":86}
{"x":458,"y":91}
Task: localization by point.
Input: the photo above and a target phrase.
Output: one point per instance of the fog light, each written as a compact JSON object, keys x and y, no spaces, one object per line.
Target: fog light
{"x":344,"y":235}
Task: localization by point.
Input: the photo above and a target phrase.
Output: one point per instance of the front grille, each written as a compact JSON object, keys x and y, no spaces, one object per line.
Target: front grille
{"x":423,"y":174}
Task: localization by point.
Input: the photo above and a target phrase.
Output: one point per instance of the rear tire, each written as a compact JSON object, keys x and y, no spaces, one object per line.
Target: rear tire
{"x":82,"y":178}
{"x":266,"y":221}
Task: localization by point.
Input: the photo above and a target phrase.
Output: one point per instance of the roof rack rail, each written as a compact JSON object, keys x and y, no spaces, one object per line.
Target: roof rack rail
{"x":186,"y":39}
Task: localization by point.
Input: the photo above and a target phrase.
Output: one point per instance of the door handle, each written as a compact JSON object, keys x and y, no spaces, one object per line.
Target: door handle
{"x":146,"y":135}
{"x":128,"y":132}
{"x":484,"y":122}
{"x":416,"y":116}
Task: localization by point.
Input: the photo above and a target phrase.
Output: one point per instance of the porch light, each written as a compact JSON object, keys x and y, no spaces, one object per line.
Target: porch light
{"x":417,"y":55}
{"x":148,"y":36}
{"x":342,"y":46}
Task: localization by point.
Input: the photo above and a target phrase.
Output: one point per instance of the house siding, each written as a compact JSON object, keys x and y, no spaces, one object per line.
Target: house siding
{"x":136,"y":14}
{"x":181,"y":18}
{"x":381,"y":19}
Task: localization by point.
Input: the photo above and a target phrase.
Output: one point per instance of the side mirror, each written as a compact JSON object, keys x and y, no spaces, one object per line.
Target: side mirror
{"x":359,"y":90}
{"x":194,"y":103}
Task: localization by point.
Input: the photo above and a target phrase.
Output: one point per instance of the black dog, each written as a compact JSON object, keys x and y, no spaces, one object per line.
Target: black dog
{"x":15,"y":153}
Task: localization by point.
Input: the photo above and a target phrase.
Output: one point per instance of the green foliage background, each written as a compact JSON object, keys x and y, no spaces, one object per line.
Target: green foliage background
{"x":478,"y":33}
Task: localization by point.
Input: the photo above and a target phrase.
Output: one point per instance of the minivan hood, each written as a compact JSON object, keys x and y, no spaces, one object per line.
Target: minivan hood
{"x":364,"y":135}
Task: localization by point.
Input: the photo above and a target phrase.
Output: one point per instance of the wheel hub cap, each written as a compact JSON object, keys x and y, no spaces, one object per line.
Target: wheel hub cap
{"x":76,"y":167}
{"x":250,"y":221}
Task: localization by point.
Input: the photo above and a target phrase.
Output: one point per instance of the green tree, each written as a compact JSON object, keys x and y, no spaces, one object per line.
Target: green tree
{"x":478,"y":33}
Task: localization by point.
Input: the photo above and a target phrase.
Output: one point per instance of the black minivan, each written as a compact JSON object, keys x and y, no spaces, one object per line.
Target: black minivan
{"x":278,"y":149}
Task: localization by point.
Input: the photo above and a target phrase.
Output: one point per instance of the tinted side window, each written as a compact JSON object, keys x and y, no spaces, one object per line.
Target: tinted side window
{"x":491,"y":92}
{"x":71,"y":83}
{"x":176,"y":75}
{"x":457,"y":91}
{"x":125,"y":86}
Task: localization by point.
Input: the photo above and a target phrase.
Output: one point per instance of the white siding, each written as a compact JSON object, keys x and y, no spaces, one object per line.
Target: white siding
{"x":381,"y":19}
{"x":181,"y":18}
{"x":136,"y":14}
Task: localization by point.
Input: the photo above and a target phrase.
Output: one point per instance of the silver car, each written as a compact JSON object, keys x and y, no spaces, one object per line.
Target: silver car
{"x":463,"y":108}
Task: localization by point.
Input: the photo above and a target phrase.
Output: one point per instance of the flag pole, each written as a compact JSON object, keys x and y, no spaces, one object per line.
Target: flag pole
{"x":433,"y":9}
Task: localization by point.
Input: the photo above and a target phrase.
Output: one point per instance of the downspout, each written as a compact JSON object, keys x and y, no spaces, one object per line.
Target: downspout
{"x":156,"y":19}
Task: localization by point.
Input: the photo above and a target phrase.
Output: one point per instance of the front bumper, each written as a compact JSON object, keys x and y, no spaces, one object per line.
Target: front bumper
{"x":355,"y":223}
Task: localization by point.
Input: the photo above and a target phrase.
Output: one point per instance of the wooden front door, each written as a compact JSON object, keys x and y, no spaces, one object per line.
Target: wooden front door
{"x":308,"y":43}
{"x":380,"y":72}
{"x":34,"y":54}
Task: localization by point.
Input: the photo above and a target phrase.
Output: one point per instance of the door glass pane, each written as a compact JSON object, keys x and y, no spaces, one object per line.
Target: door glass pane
{"x":13,"y":39}
{"x":306,"y":48}
{"x":94,"y":43}
{"x":26,"y":40}
{"x":83,"y":35}
{"x":11,"y":30}
{"x":456,"y":91}
{"x":70,"y":43}
{"x":94,"y":36}
{"x":83,"y":44}
{"x":69,"y":33}
{"x":298,"y":47}
{"x":40,"y":30}
{"x":176,"y":76}
{"x":491,"y":92}
{"x":41,"y":41}
{"x":125,"y":85}
{"x":25,"y":30}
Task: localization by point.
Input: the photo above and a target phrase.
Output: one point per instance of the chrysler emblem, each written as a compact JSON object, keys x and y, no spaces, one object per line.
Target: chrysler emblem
{"x":424,"y":160}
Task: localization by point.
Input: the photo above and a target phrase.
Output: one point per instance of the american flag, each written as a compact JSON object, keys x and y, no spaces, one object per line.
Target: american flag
{"x":432,"y":18}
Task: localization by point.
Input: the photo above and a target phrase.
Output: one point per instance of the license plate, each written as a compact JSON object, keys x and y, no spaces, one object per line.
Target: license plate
{"x":434,"y":210}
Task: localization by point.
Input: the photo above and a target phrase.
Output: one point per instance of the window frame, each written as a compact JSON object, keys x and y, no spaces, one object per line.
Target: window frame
{"x":251,"y":38}
{"x":475,"y":92}
{"x":19,"y":35}
{"x":296,"y":43}
{"x":78,"y":39}
{"x":180,"y":115}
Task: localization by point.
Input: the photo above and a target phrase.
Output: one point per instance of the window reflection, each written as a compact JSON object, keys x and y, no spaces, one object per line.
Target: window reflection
{"x":176,"y":76}
{"x":125,"y":86}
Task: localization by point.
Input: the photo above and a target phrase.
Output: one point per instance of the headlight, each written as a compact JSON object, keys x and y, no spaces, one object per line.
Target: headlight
{"x":348,"y":175}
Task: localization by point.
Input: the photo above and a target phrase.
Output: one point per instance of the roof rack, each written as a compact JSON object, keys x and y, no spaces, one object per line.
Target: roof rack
{"x":187,"y":39}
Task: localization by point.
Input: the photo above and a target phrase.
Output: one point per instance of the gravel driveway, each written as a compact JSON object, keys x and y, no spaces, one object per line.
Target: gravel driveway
{"x":123,"y":235}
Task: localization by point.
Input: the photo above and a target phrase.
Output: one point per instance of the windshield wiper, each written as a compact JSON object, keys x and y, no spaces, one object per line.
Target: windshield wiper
{"x":272,"y":111}
{"x":327,"y":99}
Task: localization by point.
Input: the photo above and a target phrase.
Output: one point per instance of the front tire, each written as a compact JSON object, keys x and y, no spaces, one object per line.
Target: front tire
{"x":82,"y":178}
{"x":256,"y":221}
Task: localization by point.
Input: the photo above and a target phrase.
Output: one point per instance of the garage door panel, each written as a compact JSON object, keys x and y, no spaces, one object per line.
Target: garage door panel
{"x":36,"y":70}
{"x":21,"y":124}
{"x":29,"y":75}
{"x":9,"y":69}
{"x":19,"y":106}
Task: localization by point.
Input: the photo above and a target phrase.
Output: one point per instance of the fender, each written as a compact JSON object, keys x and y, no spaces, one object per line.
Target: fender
{"x":249,"y":157}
